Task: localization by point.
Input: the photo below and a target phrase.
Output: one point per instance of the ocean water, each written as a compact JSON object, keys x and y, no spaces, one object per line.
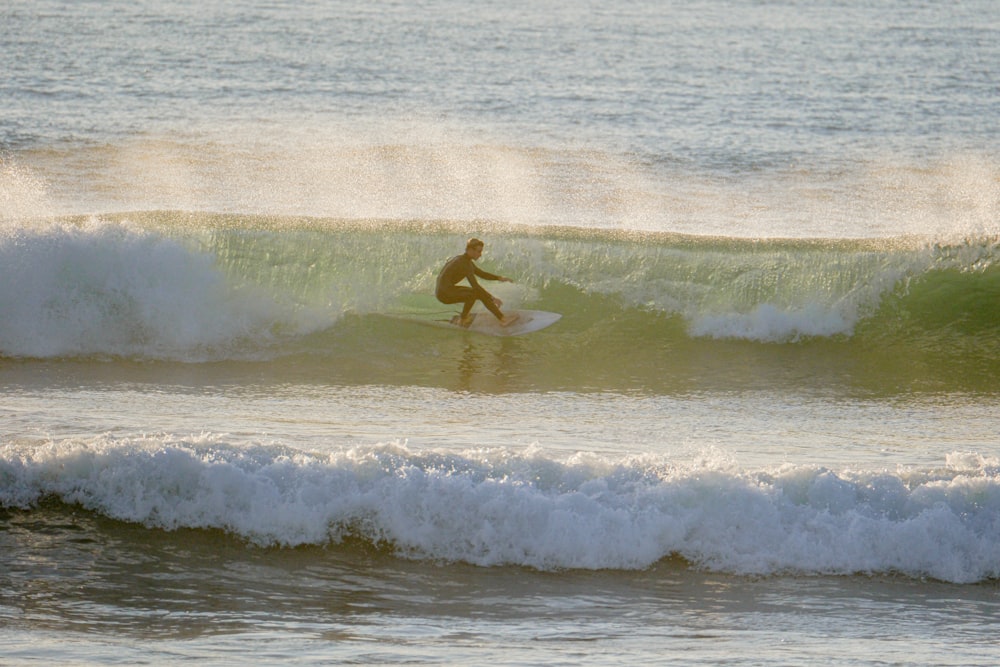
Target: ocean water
{"x":764,"y":432}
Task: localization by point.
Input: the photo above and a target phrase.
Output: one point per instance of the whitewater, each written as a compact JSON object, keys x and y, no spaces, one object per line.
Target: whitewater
{"x":498,"y":507}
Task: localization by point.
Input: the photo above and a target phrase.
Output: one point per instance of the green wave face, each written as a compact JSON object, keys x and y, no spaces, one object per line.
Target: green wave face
{"x":644,"y":312}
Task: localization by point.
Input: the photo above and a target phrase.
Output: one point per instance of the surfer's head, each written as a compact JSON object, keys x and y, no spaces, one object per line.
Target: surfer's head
{"x":474,"y":248}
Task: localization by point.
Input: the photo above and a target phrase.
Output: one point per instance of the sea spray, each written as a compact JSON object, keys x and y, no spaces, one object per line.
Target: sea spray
{"x":23,"y":194}
{"x":109,"y":288}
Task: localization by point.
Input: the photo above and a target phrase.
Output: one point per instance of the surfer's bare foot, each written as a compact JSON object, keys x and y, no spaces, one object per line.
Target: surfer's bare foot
{"x":465,"y":321}
{"x":508,"y":320}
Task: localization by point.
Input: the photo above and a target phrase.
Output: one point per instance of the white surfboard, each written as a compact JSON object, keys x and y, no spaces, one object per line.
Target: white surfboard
{"x":527,"y":322}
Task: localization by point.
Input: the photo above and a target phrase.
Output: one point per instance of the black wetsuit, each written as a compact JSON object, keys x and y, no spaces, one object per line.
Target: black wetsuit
{"x":457,"y":269}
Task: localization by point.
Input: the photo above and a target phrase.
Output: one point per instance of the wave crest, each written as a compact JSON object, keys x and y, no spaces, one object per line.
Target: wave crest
{"x":109,"y":288}
{"x":499,"y":507}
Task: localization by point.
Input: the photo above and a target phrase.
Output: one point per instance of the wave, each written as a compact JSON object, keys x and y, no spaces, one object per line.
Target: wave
{"x":196,"y":287}
{"x":528,"y":508}
{"x":99,"y":288}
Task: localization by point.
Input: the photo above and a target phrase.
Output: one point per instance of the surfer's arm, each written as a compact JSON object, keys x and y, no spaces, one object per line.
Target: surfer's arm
{"x":489,"y":276}
{"x":486,"y":276}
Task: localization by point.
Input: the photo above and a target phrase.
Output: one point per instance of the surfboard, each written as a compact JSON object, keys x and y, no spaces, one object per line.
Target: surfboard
{"x":527,"y":322}
{"x":483,"y":322}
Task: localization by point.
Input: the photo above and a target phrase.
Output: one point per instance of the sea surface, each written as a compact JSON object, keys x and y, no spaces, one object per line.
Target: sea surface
{"x":766,"y":430}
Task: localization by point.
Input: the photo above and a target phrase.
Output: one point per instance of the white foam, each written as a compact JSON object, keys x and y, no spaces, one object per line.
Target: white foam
{"x":495,"y":507}
{"x":820,"y":295}
{"x":107,"y":288}
{"x":770,"y":323}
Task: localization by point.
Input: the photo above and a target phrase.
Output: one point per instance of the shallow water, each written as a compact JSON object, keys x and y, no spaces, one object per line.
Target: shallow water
{"x":202,"y":595}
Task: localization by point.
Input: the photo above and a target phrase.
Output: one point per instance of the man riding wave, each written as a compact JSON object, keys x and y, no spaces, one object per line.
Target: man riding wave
{"x":463,"y":267}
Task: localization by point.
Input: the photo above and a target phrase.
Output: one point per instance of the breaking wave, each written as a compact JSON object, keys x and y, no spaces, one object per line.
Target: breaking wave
{"x":527,"y":508}
{"x":195,"y":286}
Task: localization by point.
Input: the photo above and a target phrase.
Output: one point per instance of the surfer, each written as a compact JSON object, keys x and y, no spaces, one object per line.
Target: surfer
{"x":464,"y":267}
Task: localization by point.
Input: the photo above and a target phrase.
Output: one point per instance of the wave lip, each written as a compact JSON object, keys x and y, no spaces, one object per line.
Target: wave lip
{"x":497,"y":507}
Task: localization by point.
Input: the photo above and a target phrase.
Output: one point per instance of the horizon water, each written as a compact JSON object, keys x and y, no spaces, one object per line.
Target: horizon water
{"x":764,"y":431}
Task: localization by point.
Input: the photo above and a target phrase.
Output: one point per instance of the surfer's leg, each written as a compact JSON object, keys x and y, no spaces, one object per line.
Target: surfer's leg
{"x":466,"y":309}
{"x":460,"y":294}
{"x":456,"y":294}
{"x":468,"y":296}
{"x":493,"y":307}
{"x":490,"y":304}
